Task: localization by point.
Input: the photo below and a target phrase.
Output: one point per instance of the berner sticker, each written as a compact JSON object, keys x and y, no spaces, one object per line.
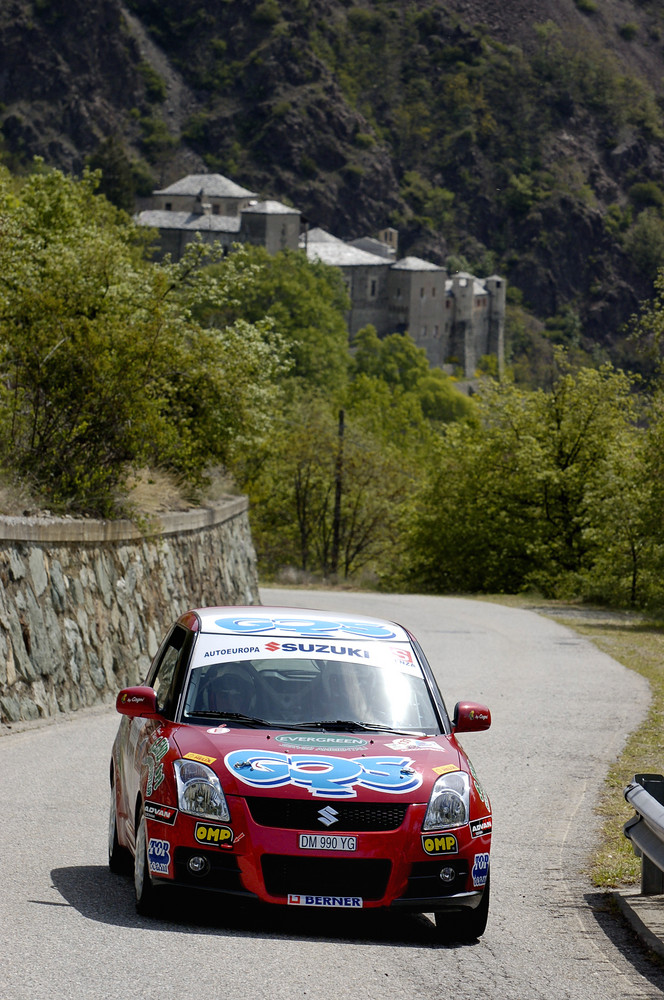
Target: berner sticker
{"x":350,"y":902}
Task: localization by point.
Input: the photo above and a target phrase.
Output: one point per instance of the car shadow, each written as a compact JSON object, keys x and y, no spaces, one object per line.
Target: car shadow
{"x":99,"y":895}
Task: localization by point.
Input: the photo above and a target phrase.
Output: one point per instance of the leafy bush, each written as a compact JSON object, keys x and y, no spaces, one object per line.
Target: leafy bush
{"x":586,"y":6}
{"x":628,"y":31}
{"x":104,"y":367}
{"x":155,"y":85}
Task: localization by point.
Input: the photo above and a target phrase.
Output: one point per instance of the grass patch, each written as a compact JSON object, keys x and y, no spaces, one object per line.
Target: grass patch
{"x":637,"y":643}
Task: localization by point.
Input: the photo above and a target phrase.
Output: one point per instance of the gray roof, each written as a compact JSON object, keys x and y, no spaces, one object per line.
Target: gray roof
{"x":210,"y":185}
{"x":415,"y":264}
{"x":372,"y":245}
{"x":190,"y":221}
{"x":271,"y":208}
{"x":478,"y":286}
{"x":330,"y":250}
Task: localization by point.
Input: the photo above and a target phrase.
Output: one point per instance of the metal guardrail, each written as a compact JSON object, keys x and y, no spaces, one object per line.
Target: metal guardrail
{"x":646,"y":829}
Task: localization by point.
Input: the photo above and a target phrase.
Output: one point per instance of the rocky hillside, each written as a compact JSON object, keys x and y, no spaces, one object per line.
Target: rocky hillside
{"x":522,"y":137}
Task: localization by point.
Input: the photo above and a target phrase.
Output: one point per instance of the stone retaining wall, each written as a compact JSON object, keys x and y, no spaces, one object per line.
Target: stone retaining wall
{"x":84,"y":604}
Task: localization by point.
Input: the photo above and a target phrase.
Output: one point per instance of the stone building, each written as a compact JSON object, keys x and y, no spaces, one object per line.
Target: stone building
{"x":220,"y":211}
{"x":456,"y":318}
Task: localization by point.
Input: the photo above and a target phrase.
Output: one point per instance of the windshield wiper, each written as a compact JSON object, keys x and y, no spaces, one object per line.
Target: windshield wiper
{"x":249,"y":720}
{"x":351,"y":725}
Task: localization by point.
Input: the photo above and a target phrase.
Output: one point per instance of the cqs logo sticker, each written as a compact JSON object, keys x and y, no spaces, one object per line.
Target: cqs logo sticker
{"x":331,"y":777}
{"x":303,"y":626}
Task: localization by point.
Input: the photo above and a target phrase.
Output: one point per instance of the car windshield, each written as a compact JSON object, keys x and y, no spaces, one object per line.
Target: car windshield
{"x":382,"y":686}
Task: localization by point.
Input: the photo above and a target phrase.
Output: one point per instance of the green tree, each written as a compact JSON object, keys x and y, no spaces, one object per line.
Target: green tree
{"x":305,"y":302}
{"x":628,"y":555}
{"x":395,"y":358}
{"x":325,"y":495}
{"x":644,"y":242}
{"x":399,"y":369}
{"x":511,"y":502}
{"x":102,"y":366}
{"x":117,"y":178}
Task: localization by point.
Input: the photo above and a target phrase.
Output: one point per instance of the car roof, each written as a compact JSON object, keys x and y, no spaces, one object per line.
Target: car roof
{"x":295,"y":622}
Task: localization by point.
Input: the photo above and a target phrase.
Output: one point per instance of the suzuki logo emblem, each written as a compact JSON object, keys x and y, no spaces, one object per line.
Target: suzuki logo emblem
{"x":328,"y":815}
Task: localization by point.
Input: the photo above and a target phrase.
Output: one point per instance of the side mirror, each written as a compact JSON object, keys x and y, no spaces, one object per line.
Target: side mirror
{"x":138,"y":703}
{"x":470,"y":717}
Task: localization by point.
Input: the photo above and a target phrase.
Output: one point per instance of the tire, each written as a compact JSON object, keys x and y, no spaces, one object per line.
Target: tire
{"x":119,"y":857}
{"x":148,"y":895}
{"x":467,"y":926}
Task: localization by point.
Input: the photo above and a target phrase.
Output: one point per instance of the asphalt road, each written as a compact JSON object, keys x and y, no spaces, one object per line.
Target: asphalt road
{"x":561,"y":712}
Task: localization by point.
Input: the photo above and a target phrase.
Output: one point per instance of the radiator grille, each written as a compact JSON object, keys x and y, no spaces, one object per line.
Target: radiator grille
{"x":300,"y":814}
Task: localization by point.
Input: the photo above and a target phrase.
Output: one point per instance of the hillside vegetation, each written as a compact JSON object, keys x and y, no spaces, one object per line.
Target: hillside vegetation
{"x":365,"y":465}
{"x":491,"y":137}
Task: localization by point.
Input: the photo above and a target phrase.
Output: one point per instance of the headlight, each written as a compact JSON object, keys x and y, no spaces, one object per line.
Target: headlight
{"x":199,"y":791}
{"x":449,"y":802}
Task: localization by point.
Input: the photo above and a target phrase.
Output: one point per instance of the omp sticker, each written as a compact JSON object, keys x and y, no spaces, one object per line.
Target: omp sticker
{"x":153,"y":763}
{"x":445,"y":769}
{"x":159,"y":813}
{"x":352,"y":902}
{"x":440,"y":843}
{"x":218,"y":730}
{"x":480,"y":827}
{"x":159,"y":856}
{"x":327,"y":776}
{"x":480,"y":869}
{"x":200,"y":757}
{"x":213,"y":833}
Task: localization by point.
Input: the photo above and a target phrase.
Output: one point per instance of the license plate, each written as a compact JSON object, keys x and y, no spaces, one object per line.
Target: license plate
{"x":326,"y":842}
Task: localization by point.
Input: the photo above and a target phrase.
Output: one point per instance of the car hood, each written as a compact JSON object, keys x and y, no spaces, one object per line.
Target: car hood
{"x":326,"y":765}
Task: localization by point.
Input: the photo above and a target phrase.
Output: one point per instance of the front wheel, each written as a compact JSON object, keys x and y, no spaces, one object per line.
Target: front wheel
{"x":147,"y":894}
{"x":466,"y":926}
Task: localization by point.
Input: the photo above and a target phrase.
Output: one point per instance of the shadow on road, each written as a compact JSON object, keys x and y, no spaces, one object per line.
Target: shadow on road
{"x":610,"y":920}
{"x":99,"y":895}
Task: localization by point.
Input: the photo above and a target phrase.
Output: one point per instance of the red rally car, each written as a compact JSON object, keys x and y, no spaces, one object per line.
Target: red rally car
{"x":300,"y":758}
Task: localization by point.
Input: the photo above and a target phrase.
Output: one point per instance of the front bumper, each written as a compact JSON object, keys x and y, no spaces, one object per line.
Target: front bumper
{"x":389,"y":867}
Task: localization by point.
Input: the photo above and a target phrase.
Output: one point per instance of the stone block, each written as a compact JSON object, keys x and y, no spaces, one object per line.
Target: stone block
{"x":38,"y":573}
{"x":83,"y":605}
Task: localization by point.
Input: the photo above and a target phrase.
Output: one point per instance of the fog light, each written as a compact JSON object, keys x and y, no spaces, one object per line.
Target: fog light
{"x":447,"y":874}
{"x":198,"y":865}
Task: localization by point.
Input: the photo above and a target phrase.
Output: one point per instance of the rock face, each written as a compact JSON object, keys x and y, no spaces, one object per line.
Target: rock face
{"x":70,"y":73}
{"x":84,"y":605}
{"x":456,"y":134}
